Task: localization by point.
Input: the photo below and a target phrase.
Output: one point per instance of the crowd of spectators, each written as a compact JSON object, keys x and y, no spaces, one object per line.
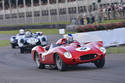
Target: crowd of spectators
{"x":83,"y":20}
{"x":105,"y":12}
{"x":112,"y":11}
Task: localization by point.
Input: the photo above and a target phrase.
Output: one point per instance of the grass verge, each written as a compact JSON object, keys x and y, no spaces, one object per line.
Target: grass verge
{"x":45,"y":31}
{"x":116,"y":50}
{"x":49,"y":23}
{"x":4,"y":43}
{"x":112,"y":21}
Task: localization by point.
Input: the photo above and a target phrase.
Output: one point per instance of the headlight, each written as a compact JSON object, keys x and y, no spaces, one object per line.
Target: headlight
{"x":11,"y":39}
{"x":67,"y":55}
{"x":103,"y":50}
{"x":36,"y":40}
{"x":22,"y":41}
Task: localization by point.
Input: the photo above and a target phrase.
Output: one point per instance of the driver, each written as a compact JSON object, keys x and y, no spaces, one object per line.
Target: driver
{"x":67,"y":39}
{"x":21,"y":32}
{"x":28,"y":34}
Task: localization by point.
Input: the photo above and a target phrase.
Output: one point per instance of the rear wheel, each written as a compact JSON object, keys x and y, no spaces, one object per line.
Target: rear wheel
{"x":100,"y":63}
{"x":38,"y":63}
{"x":60,"y":64}
{"x":22,"y":49}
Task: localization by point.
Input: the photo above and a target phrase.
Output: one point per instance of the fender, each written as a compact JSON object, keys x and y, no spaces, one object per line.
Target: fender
{"x":37,"y":49}
{"x":96,"y":43}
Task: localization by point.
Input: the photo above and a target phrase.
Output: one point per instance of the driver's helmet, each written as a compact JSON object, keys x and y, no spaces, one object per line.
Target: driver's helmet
{"x":28,"y":34}
{"x":39,"y":33}
{"x":69,"y":38}
{"x":21,"y":32}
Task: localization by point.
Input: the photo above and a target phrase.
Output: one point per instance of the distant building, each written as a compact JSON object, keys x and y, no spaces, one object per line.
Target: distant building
{"x":46,"y":11}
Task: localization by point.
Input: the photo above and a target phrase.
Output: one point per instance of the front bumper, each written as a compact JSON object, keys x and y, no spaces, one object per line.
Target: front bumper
{"x":83,"y":59}
{"x":15,"y":44}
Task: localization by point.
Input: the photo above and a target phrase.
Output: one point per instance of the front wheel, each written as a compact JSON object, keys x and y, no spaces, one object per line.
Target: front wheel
{"x":13,"y":46}
{"x":100,"y":63}
{"x":60,"y":64}
{"x":38,"y":63}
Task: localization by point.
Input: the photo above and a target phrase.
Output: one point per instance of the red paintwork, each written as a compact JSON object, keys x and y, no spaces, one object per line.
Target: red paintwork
{"x":61,"y":41}
{"x":49,"y":57}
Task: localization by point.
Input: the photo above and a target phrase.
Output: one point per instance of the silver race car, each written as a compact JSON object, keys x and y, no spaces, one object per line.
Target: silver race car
{"x":30,"y":40}
{"x":14,"y":39}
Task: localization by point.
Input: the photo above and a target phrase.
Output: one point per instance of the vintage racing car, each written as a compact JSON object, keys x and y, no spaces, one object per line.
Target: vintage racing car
{"x":74,"y":53}
{"x":14,"y":39}
{"x":30,"y":40}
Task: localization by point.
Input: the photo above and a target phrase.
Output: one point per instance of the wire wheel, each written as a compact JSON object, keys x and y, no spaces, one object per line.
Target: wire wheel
{"x":60,"y":64}
{"x":100,"y":63}
{"x":38,"y":62}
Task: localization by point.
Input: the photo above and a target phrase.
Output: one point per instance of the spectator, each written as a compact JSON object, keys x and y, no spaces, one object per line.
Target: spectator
{"x":109,"y":12}
{"x":80,"y":20}
{"x":104,"y":13}
{"x":88,"y":19}
{"x":74,"y":21}
{"x":120,"y":11}
{"x":100,"y":15}
{"x":124,"y":11}
{"x":85,"y":20}
{"x":92,"y":19}
{"x":113,"y":10}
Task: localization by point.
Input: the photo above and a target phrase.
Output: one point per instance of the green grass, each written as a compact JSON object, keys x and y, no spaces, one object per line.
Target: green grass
{"x":112,"y":21}
{"x":35,"y":24}
{"x":116,"y":50}
{"x":9,"y":32}
{"x":4,"y":43}
{"x":49,"y":23}
{"x":45,"y":31}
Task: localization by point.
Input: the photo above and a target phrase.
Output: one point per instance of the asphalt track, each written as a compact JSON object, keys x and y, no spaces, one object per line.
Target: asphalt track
{"x":20,"y":68}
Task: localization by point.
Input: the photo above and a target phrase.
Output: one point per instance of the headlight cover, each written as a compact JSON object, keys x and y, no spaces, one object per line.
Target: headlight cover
{"x":102,"y":49}
{"x":11,"y":39}
{"x":68,"y":55}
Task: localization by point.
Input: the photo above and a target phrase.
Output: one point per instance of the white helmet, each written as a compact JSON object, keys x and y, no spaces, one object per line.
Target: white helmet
{"x":69,"y":38}
{"x":21,"y":31}
{"x":39,"y":33}
{"x":28,"y":34}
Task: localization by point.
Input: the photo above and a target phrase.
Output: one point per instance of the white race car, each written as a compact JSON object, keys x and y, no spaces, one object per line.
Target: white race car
{"x":42,"y":38}
{"x":30,"y":40}
{"x":14,"y":40}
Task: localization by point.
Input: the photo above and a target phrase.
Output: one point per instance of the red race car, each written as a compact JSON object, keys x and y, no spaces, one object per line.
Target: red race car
{"x":70,"y":54}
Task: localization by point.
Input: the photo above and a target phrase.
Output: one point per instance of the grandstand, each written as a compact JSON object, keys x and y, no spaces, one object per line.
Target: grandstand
{"x":47,"y":11}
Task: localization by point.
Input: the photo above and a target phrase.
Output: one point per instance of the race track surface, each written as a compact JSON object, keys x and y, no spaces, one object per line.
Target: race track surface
{"x":20,"y":68}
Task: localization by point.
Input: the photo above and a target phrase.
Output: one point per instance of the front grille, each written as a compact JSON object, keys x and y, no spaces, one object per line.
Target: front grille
{"x":88,"y":57}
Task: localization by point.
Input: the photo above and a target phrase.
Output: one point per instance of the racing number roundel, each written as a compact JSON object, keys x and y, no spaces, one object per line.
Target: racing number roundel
{"x":83,"y":49}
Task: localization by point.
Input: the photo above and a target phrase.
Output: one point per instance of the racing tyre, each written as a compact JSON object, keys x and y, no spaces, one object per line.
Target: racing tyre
{"x":100,"y":63}
{"x":13,"y":46}
{"x":38,"y":63}
{"x":60,"y":64}
{"x":22,"y":50}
